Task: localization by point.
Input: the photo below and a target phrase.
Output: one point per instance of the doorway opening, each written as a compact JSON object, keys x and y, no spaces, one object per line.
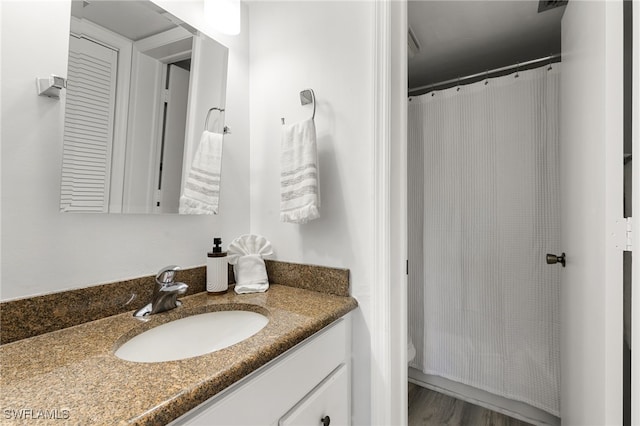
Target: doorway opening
{"x":480,"y":212}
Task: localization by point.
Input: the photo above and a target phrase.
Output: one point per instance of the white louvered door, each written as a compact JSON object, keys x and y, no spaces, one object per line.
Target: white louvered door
{"x":88,"y":127}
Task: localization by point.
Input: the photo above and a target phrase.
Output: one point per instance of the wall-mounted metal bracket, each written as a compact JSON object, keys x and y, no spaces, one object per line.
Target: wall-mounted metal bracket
{"x":622,"y":234}
{"x":307,"y":97}
{"x":51,"y":86}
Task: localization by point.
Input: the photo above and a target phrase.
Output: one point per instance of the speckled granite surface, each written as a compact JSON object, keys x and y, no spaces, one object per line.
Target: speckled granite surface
{"x":310,"y":277}
{"x":32,"y":316}
{"x":73,"y":374}
{"x":23,"y":318}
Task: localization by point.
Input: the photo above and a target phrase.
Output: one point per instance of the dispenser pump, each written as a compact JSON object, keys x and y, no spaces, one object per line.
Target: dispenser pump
{"x":216,"y":251}
{"x":217,"y":242}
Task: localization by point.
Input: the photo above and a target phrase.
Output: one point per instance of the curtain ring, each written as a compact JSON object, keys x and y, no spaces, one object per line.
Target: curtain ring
{"x":517,"y":70}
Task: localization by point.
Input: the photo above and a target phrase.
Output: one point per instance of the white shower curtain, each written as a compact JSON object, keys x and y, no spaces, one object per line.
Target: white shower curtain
{"x":484,"y":211}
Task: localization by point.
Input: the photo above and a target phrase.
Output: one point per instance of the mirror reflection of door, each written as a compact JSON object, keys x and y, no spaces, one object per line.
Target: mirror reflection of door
{"x":149,"y":146}
{"x":176,"y":97}
{"x":88,"y":126}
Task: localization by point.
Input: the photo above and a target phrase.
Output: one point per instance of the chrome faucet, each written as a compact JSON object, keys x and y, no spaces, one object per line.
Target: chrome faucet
{"x":165,"y":293}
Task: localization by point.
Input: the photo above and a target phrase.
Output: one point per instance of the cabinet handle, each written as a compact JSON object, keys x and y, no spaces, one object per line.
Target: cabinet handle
{"x":326,"y":420}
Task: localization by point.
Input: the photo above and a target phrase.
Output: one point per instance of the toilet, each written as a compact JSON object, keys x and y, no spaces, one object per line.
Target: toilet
{"x":411,"y":350}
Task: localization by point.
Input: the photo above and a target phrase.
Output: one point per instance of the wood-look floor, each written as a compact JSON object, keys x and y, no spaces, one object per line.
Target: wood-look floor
{"x":430,"y":408}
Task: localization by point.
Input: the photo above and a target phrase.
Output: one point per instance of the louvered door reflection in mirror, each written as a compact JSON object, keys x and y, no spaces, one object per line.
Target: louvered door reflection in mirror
{"x":88,"y":126}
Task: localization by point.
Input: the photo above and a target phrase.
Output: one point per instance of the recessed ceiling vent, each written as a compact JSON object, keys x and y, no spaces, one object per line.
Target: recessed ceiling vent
{"x":550,"y":4}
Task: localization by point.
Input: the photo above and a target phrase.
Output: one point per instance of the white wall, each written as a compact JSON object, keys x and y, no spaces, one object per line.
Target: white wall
{"x":591,"y":192}
{"x":326,"y":46}
{"x":44,"y":250}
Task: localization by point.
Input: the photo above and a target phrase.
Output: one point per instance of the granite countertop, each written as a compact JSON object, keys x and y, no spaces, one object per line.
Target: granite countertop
{"x":72,"y":376}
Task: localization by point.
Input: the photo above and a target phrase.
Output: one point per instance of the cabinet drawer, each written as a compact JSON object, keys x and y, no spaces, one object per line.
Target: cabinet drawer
{"x":327,"y":404}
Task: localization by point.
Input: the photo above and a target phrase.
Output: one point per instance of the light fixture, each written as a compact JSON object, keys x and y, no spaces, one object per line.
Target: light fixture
{"x":223,"y":15}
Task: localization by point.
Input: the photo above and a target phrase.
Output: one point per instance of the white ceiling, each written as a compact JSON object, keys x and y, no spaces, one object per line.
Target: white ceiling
{"x":459,"y":38}
{"x":134,"y":20}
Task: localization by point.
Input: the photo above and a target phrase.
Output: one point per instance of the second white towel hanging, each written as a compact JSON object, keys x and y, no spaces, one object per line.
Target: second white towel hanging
{"x":299,"y":177}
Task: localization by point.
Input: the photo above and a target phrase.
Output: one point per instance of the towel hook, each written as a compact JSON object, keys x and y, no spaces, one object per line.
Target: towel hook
{"x":225,"y":129}
{"x":308,"y":96}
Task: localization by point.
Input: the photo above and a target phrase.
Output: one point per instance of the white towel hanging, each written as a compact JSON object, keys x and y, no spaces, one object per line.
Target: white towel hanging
{"x":299,"y":181}
{"x":201,"y":193}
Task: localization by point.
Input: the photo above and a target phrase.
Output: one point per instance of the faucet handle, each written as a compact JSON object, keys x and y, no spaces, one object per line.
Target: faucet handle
{"x":167,"y":274}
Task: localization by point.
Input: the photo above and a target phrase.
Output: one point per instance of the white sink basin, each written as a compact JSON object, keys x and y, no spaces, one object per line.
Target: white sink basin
{"x":192,"y":336}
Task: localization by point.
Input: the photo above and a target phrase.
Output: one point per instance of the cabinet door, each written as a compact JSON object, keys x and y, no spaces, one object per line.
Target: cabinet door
{"x":265,"y":395}
{"x":326,"y":404}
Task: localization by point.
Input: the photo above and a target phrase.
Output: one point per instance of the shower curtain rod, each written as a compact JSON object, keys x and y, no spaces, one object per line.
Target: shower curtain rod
{"x":497,"y":72}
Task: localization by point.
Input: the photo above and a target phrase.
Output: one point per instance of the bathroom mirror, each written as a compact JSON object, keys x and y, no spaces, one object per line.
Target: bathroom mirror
{"x":141,"y":85}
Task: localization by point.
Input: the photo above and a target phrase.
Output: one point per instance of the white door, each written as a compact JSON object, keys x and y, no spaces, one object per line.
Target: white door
{"x":88,"y":126}
{"x":592,"y":192}
{"x":173,"y":136}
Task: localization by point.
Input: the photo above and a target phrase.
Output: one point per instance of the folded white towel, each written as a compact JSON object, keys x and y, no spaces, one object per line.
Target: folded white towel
{"x":299,"y":182}
{"x":201,"y":193}
{"x":246,"y":255}
{"x":251,"y":274}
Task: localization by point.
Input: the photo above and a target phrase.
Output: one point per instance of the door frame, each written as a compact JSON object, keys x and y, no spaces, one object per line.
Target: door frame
{"x":613,"y":306}
{"x":635,"y":280}
{"x":388,"y":367}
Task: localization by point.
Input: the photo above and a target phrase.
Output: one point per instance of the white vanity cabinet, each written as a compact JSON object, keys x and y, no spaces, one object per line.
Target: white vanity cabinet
{"x":307,"y":385}
{"x":325,"y":405}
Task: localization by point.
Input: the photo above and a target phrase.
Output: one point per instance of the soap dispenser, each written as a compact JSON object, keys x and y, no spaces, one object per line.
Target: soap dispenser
{"x":217,"y":269}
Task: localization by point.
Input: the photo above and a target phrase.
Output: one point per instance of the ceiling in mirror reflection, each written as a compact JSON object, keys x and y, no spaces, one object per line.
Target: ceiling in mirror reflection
{"x":131,"y":19}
